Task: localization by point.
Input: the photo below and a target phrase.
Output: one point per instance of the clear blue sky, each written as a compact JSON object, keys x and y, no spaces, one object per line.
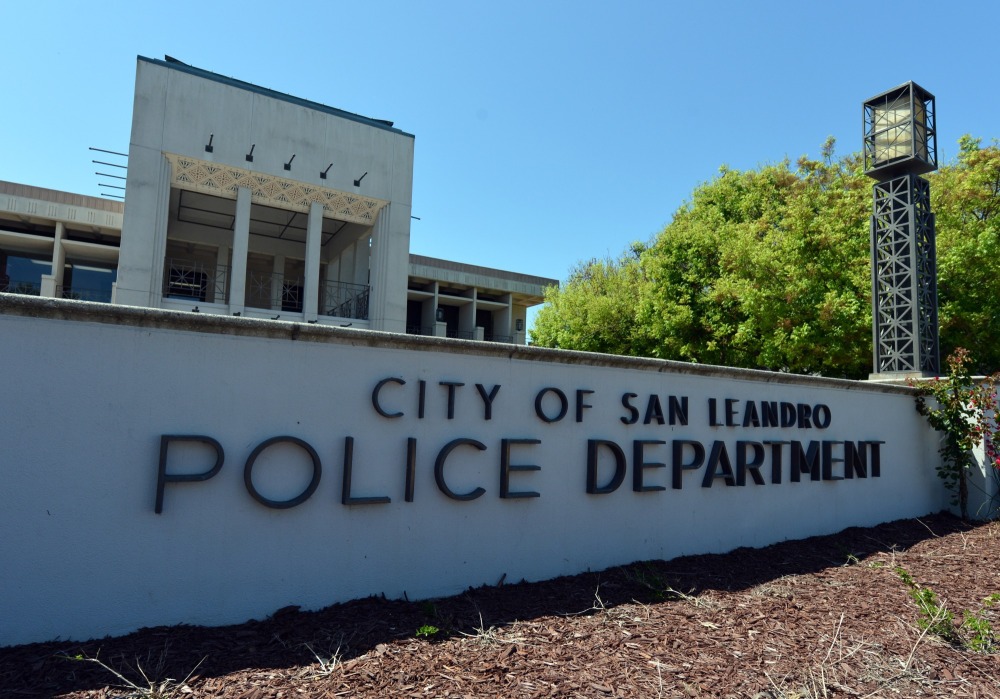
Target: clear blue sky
{"x":546,"y":132}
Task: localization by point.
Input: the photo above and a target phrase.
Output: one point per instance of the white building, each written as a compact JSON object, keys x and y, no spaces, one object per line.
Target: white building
{"x":246,"y":201}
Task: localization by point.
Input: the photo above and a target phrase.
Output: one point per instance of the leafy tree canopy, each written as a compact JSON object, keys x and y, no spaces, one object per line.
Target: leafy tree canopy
{"x":769,"y":268}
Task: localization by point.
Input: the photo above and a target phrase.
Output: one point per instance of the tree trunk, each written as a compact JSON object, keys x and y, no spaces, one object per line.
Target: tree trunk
{"x":963,"y":490}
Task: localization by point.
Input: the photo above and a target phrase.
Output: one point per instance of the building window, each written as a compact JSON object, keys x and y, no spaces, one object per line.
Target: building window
{"x":22,"y":273}
{"x":88,"y":282}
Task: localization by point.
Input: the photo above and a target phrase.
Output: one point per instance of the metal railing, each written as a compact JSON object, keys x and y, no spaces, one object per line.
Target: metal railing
{"x":509,"y":339}
{"x":24,"y":288}
{"x":344,"y":300}
{"x":462,"y":334}
{"x":188,"y":279}
{"x":274,"y":292}
{"x":82,"y":293}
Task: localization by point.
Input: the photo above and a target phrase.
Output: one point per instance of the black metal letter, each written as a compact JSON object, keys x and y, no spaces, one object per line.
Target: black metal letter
{"x":677,"y":459}
{"x":775,"y":460}
{"x":580,"y":405}
{"x":712,"y":421}
{"x":439,"y":469}
{"x":829,"y":460}
{"x":804,"y":413}
{"x":654,"y":411}
{"x":678,"y":410}
{"x":807,"y":461}
{"x":718,"y":458}
{"x":378,"y":388}
{"x":616,"y":480}
{"x":753,"y":465}
{"x":411,"y":467}
{"x":731,"y":412}
{"x":506,"y":467}
{"x":876,"y":461}
{"x":162,"y":477}
{"x":639,"y":463}
{"x":855,"y":460}
{"x":487,"y":399}
{"x":750,"y":416}
{"x":633,"y":412}
{"x":821,"y":416}
{"x":345,"y":493}
{"x":563,"y":404}
{"x":788,"y":415}
{"x":298,"y":499}
{"x":451,"y":396}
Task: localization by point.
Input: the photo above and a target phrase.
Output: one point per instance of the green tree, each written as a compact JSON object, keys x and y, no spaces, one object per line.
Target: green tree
{"x":769,"y":268}
{"x":593,"y":312}
{"x":965,"y":198}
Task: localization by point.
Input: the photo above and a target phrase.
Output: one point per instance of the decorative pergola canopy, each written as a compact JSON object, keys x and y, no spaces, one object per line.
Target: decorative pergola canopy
{"x":899,"y":132}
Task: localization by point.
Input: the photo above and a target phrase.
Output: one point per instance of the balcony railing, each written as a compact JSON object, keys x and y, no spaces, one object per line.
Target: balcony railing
{"x":461,"y":334}
{"x":275,"y":292}
{"x":188,"y":279}
{"x":24,"y":288}
{"x":80,"y":293}
{"x":509,"y":339}
{"x":344,"y":300}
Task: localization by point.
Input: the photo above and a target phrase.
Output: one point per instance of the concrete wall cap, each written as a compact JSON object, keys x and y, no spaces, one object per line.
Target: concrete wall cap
{"x":85,"y":311}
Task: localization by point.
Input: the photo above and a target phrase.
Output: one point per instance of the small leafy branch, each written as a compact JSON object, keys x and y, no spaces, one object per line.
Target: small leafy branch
{"x":934,"y":616}
{"x":965,"y":410}
{"x":975,"y":632}
{"x":427,"y":631}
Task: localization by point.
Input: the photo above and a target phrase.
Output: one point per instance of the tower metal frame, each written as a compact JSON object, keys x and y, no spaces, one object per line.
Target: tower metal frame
{"x":900,"y":139}
{"x":904,"y":278}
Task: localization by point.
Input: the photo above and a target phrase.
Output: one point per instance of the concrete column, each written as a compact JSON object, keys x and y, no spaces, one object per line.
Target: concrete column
{"x":222,"y":271}
{"x":362,"y":262}
{"x":503,"y":323}
{"x":277,"y":277}
{"x":48,"y":287}
{"x":314,"y":237}
{"x":389,"y":266}
{"x":328,"y":276}
{"x":467,"y":317}
{"x":59,"y":254}
{"x":241,"y":248}
{"x":520,"y":336}
{"x":345,"y":273}
{"x":52,"y":282}
{"x":144,"y":232}
{"x":428,"y":313}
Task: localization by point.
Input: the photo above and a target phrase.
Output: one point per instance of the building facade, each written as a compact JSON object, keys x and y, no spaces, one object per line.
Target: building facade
{"x":245,"y":201}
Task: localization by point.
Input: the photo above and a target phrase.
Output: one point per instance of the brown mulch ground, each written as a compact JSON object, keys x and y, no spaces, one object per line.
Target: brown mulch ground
{"x":824,"y":617}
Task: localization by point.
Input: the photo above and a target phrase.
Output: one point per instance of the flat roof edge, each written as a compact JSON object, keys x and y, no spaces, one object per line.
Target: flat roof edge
{"x":274,"y":94}
{"x":56,"y":196}
{"x":134,"y":316}
{"x":452,"y":266}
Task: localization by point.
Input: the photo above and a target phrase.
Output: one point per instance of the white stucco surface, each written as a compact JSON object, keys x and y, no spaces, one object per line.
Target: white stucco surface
{"x":91,"y":389}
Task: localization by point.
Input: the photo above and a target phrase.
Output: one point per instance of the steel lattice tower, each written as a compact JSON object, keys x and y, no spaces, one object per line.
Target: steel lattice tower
{"x":900,"y":145}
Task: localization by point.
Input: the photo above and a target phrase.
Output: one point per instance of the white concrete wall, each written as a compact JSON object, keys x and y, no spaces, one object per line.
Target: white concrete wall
{"x":984,"y":486}
{"x":91,"y":389}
